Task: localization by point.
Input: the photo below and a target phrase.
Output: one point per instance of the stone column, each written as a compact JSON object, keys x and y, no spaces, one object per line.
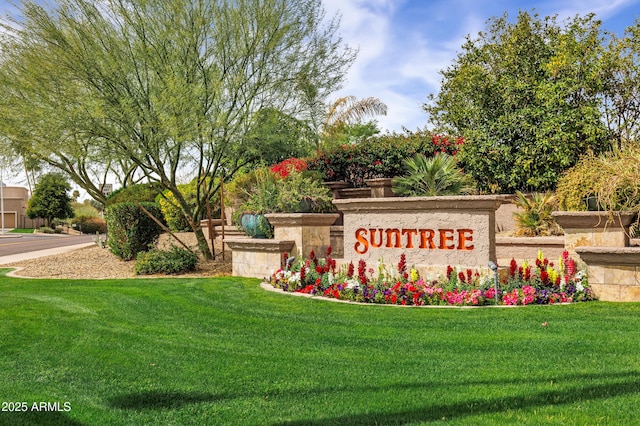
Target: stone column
{"x":309,"y":231}
{"x":594,"y":229}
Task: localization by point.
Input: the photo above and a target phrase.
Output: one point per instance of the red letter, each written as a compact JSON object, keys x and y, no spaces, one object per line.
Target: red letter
{"x":446,"y":235}
{"x":426,"y":236}
{"x":409,"y":233}
{"x":362,"y":245}
{"x":396,"y":234}
{"x":462,"y":239}
{"x":372,"y":233}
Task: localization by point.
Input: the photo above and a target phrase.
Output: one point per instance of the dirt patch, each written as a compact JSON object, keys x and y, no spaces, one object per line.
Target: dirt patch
{"x":97,"y":263}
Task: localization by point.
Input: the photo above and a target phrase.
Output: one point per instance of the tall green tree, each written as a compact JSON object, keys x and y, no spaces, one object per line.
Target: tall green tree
{"x":167,"y":88}
{"x":50,"y":199}
{"x":527,"y":97}
{"x":622,"y":95}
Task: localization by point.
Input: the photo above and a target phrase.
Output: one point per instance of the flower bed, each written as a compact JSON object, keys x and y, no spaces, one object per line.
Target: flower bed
{"x":540,"y":283}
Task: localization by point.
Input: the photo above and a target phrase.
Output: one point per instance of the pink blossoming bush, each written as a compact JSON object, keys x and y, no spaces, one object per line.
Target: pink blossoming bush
{"x":541,"y":283}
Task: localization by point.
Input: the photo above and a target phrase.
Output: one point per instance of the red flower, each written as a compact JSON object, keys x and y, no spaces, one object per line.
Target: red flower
{"x":351,"y":269}
{"x":544,"y":277}
{"x":285,"y":167}
{"x":402,"y":265}
{"x":449,"y":271}
{"x":513,"y":267}
{"x":571,"y":267}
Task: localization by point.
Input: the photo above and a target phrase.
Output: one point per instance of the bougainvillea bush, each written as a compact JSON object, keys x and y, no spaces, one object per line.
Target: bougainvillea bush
{"x":381,"y":157}
{"x":541,"y":282}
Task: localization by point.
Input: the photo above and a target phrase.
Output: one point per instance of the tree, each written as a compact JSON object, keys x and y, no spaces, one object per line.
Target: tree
{"x":344,"y":118}
{"x":622,"y":94}
{"x":274,"y":136}
{"x":50,"y":199}
{"x":169,"y":89}
{"x":527,"y":97}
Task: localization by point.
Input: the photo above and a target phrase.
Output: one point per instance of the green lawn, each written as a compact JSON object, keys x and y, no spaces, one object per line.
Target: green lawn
{"x":22,"y":231}
{"x":225,"y":352}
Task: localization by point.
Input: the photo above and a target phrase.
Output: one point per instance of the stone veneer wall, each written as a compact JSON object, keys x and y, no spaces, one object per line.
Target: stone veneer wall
{"x":600,"y":241}
{"x":594,"y":229}
{"x":614,"y":272}
{"x":308,"y":231}
{"x":255,"y":257}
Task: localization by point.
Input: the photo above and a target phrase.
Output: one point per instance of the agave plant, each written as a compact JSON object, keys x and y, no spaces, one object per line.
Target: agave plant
{"x":429,"y":176}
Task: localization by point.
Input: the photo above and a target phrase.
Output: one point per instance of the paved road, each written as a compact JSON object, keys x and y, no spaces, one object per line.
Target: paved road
{"x":30,"y":243}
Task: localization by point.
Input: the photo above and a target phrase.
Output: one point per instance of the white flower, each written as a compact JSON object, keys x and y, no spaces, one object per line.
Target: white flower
{"x":294,"y":278}
{"x":352,"y":283}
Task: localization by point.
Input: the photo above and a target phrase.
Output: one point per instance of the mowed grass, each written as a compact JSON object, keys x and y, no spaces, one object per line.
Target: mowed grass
{"x":22,"y":231}
{"x":224,"y":351}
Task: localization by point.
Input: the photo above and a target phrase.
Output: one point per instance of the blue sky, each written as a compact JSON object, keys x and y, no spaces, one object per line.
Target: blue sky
{"x":404,"y":43}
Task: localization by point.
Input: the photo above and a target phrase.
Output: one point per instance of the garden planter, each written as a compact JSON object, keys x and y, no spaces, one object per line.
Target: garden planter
{"x":380,"y":187}
{"x":336,"y":187}
{"x":594,"y":229}
{"x":255,"y":225}
{"x":309,"y":231}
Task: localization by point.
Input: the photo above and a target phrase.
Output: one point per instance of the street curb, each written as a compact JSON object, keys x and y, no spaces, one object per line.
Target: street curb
{"x":41,"y":253}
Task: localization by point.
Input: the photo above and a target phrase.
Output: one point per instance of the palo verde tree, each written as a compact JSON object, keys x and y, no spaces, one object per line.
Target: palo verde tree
{"x":527,"y":98}
{"x":50,"y":199}
{"x":169,"y":88}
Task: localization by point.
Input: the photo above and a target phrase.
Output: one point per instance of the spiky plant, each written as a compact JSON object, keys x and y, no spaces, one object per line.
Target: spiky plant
{"x":534,"y":218}
{"x":430,"y":176}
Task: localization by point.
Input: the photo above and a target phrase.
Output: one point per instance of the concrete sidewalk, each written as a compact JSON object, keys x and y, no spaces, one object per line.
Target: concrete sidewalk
{"x":41,"y":253}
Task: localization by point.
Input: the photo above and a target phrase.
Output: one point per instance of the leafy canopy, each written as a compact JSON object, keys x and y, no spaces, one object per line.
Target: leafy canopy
{"x":526,"y":96}
{"x":168,"y":91}
{"x":50,"y":199}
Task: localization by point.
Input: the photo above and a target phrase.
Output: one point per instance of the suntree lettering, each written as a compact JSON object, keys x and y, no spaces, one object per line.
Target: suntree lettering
{"x":429,"y":239}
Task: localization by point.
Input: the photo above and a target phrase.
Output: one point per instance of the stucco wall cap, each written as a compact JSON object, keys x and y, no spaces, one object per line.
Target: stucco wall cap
{"x":582,"y":220}
{"x":620,"y":256}
{"x":259,"y":244}
{"x":465,"y":202}
{"x":301,"y":219}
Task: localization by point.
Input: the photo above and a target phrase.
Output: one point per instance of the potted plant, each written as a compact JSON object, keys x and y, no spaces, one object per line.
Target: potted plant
{"x":293,"y":191}
{"x":260,"y":198}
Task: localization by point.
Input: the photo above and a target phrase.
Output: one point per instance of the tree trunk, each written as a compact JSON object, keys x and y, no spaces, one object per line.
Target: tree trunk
{"x":203,"y":245}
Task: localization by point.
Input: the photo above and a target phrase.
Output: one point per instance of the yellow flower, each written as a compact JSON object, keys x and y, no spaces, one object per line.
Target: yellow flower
{"x":414,"y":275}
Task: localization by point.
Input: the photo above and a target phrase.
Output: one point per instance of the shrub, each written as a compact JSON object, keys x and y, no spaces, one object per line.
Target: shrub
{"x":379,"y":157}
{"x":90,"y":225}
{"x":177,"y":260}
{"x":131,"y":231}
{"x":47,"y":230}
{"x":438,"y":175}
{"x":535,"y":218}
{"x":84,"y":210}
{"x":139,"y":192}
{"x":296,"y":192}
{"x":613,"y":179}
{"x":176,"y":221}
